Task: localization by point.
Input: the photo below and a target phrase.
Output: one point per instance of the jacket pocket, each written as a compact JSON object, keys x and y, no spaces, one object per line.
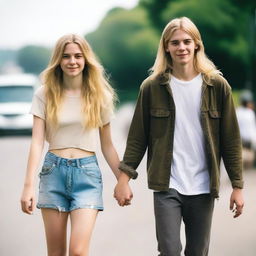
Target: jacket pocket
{"x":214,"y":121}
{"x":159,"y":122}
{"x":160,"y":112}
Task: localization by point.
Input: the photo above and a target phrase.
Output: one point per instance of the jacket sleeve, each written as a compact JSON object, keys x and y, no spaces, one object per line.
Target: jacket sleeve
{"x":231,"y":146}
{"x":137,"y":140}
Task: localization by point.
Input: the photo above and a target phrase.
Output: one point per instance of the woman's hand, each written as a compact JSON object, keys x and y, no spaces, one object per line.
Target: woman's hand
{"x":28,"y":200}
{"x":123,"y":193}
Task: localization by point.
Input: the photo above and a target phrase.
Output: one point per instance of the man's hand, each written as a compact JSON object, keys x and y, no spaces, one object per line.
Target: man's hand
{"x":123,"y":193}
{"x":236,"y":202}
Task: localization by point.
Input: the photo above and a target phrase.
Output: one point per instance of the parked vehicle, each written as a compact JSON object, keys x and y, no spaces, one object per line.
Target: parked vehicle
{"x":16,"y":93}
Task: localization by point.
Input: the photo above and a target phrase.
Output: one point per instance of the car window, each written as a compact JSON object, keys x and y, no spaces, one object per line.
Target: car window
{"x":16,"y":93}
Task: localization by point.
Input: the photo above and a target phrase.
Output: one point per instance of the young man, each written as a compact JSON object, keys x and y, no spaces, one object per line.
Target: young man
{"x":185,"y":118}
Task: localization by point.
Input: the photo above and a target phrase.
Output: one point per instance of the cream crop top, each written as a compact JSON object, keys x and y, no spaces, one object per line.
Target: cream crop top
{"x":70,"y":132}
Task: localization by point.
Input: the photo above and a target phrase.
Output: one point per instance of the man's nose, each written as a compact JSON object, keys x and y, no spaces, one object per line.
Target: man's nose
{"x":181,"y":46}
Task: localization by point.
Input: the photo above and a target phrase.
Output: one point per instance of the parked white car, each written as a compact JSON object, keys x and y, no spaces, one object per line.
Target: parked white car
{"x":16,"y":93}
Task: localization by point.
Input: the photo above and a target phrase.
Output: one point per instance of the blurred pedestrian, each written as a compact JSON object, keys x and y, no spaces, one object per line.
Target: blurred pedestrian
{"x":185,"y":118}
{"x":73,"y":105}
{"x":247,"y":124}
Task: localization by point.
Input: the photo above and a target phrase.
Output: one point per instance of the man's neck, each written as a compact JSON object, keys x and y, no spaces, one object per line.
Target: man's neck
{"x":184,"y":72}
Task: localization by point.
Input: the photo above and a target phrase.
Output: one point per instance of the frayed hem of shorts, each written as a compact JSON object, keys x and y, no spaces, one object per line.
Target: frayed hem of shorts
{"x":94,"y":207}
{"x":63,"y":209}
{"x":52,"y":206}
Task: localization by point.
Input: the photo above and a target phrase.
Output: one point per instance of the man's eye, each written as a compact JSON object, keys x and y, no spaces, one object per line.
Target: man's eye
{"x":187,"y":41}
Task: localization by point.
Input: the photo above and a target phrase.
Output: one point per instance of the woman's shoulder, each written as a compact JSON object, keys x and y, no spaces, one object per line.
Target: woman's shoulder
{"x":40,"y":92}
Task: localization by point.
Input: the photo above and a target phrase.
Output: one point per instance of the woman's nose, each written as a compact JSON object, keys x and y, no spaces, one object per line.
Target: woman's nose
{"x":72,"y":60}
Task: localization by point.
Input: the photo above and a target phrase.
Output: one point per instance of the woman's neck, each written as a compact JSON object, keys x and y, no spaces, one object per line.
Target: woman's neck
{"x":72,"y":83}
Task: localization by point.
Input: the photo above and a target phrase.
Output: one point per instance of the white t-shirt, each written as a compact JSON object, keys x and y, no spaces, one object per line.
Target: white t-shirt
{"x":189,"y":171}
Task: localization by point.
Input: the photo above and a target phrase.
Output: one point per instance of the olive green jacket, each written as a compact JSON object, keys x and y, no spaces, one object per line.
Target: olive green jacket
{"x":152,"y":129}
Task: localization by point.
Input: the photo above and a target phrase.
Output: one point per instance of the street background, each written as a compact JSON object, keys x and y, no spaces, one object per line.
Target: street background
{"x":127,"y":231}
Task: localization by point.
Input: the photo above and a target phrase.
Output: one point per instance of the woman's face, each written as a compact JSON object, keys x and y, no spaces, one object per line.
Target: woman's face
{"x":181,"y":47}
{"x":72,"y":61}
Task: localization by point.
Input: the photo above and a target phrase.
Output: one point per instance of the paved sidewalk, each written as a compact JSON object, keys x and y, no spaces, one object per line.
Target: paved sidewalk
{"x":127,"y":231}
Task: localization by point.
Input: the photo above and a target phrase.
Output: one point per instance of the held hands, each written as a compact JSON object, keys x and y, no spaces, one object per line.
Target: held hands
{"x":236,"y":202}
{"x":28,"y":200}
{"x":123,"y":193}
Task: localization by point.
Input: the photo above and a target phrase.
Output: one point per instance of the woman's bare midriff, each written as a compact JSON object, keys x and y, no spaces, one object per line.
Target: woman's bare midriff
{"x":71,"y":153}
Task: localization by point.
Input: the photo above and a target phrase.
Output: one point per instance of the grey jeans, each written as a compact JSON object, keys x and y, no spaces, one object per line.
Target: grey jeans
{"x":196,"y":212}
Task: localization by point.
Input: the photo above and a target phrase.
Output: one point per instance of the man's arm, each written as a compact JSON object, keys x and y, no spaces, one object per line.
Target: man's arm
{"x":231,"y":149}
{"x":136,"y":146}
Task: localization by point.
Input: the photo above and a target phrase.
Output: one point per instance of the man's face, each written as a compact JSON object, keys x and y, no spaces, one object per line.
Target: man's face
{"x":181,"y":47}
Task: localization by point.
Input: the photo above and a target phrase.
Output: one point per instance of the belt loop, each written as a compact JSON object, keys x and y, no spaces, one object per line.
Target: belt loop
{"x":58,"y":161}
{"x":78,"y":163}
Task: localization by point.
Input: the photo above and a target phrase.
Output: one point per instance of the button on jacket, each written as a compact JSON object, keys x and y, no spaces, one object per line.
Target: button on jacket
{"x":152,"y":129}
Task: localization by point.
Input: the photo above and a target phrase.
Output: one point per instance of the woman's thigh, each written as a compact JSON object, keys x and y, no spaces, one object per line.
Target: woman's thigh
{"x":82,"y":224}
{"x":55,"y":224}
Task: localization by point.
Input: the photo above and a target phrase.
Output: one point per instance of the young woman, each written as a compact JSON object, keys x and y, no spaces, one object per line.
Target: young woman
{"x":74,"y":103}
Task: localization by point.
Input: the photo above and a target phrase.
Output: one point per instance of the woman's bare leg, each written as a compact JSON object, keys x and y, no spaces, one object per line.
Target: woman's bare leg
{"x":82,"y":224}
{"x":55,"y":224}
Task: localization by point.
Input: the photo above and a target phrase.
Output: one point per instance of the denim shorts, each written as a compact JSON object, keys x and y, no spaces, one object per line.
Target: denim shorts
{"x":69,"y":184}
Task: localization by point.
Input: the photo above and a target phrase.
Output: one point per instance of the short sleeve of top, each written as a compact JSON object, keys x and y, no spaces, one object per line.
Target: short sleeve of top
{"x":107,"y":115}
{"x":38,"y":103}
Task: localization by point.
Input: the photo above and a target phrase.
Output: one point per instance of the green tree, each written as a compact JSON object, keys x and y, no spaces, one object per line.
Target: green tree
{"x":33,"y":59}
{"x":126,"y":45}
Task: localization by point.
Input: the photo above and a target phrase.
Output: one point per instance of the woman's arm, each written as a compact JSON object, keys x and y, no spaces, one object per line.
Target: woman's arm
{"x":108,"y":149}
{"x":35,"y":153}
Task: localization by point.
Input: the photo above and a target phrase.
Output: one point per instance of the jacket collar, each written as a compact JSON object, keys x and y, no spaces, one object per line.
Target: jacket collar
{"x":165,"y":78}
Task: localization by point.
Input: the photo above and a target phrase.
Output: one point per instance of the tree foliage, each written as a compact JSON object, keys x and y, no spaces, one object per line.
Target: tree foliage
{"x":126,"y":45}
{"x":33,"y":59}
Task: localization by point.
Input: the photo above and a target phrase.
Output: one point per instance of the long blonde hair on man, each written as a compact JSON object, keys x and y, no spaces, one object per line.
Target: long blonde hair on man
{"x":163,"y":60}
{"x":96,"y":93}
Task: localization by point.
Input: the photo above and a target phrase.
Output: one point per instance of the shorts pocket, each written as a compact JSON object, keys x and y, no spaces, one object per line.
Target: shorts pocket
{"x":92,"y":169}
{"x":47,"y":169}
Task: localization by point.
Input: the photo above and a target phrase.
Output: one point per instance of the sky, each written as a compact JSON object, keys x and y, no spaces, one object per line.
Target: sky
{"x":42,"y":22}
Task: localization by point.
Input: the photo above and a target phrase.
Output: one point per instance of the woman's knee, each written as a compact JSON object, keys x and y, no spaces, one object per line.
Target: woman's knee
{"x":61,"y":252}
{"x":76,"y":251}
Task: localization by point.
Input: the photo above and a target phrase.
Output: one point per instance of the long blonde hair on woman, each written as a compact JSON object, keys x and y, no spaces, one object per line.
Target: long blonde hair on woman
{"x":96,"y":93}
{"x":163,"y":62}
